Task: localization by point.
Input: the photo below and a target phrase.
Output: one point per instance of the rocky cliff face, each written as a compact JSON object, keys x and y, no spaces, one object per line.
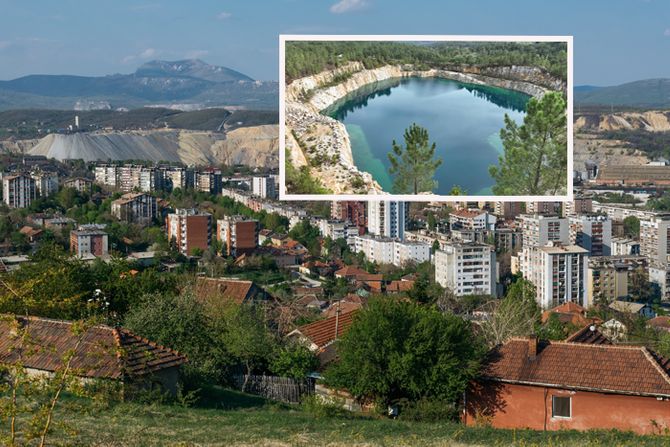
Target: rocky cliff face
{"x":651,"y":121}
{"x":334,"y":167}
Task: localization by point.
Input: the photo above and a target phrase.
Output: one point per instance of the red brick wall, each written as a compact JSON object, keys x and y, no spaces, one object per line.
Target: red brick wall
{"x":247,"y":237}
{"x":197,"y":233}
{"x":521,"y":406}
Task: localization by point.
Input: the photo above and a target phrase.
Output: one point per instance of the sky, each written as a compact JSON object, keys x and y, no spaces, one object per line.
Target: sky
{"x":615,"y":41}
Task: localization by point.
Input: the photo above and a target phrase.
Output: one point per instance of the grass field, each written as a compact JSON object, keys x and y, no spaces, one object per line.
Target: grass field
{"x":235,"y":419}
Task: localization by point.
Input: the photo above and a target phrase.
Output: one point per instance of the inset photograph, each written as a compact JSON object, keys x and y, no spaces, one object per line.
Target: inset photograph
{"x":425,"y":117}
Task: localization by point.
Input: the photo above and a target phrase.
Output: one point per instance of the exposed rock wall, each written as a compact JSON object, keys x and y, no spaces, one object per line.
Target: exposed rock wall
{"x":307,"y":97}
{"x":651,"y":121}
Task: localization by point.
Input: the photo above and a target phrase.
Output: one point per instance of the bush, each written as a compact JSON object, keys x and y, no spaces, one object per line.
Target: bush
{"x":428,"y":410}
{"x":320,"y":407}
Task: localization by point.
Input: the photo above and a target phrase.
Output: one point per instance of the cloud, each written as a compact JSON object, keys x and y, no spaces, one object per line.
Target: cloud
{"x":145,"y":54}
{"x":224,"y":15}
{"x":344,"y":6}
{"x":666,"y":32}
{"x":196,"y":54}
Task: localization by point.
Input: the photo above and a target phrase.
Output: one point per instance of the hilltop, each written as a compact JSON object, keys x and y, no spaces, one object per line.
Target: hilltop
{"x":186,"y":84}
{"x":647,"y":93}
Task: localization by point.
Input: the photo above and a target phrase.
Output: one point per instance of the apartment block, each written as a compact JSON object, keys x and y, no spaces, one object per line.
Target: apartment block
{"x":507,"y":210}
{"x":592,"y":232}
{"x":135,"y":208}
{"x":238,"y":234}
{"x":466,"y":268}
{"x":190,"y":229}
{"x":209,"y":180}
{"x":264,"y":187}
{"x":18,"y":190}
{"x":561,"y":275}
{"x":387,"y":218}
{"x":473,"y":220}
{"x":89,"y":240}
{"x":351,"y":211}
{"x":46,"y":183}
{"x":384,"y":250}
{"x":654,"y":240}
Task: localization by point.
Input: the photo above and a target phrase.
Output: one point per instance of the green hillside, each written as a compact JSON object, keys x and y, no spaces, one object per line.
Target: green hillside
{"x":648,"y":93}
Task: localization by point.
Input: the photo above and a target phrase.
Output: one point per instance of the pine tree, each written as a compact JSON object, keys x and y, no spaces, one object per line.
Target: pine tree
{"x":413,"y":166}
{"x":535,"y":157}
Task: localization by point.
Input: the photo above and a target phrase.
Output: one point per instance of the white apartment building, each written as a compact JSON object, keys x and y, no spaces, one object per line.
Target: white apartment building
{"x":467,"y":268}
{"x":46,"y":183}
{"x":385,"y":250}
{"x":560,"y":276}
{"x":654,"y":240}
{"x":387,"y":218}
{"x":264,"y":186}
{"x":592,"y":232}
{"x":18,"y":190}
{"x":472,"y":219}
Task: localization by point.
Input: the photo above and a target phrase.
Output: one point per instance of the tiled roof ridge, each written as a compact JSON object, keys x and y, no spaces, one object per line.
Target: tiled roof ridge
{"x":650,"y":357}
{"x":579,"y":344}
{"x":151,"y":343}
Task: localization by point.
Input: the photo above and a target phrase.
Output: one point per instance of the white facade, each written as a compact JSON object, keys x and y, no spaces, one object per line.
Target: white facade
{"x":561,"y":275}
{"x":466,"y":268}
{"x":387,"y":218}
{"x":264,"y":187}
{"x":391,"y":251}
{"x":18,"y":191}
{"x":592,"y":232}
{"x":46,"y":183}
{"x":654,"y":241}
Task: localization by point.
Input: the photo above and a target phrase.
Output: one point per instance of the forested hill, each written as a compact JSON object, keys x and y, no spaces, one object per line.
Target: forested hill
{"x":305,"y":58}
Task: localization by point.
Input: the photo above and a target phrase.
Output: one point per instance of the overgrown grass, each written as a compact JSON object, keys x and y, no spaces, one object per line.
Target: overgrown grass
{"x":229,"y":418}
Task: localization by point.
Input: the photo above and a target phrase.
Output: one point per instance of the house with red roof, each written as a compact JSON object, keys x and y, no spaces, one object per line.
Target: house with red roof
{"x":321,"y":336}
{"x":99,"y":353}
{"x":548,"y":385}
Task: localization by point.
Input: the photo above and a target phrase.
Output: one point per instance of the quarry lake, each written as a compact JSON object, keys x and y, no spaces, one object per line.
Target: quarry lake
{"x":464,"y":120}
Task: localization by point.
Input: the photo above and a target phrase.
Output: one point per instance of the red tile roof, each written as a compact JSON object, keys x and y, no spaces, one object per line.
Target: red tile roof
{"x":399,"y":286}
{"x":580,"y":366}
{"x":235,"y":290}
{"x":587,"y":335}
{"x":467,"y":213}
{"x":104,"y":351}
{"x":322,"y":332}
{"x":344,"y":307}
{"x":350,"y":271}
{"x":660,"y":322}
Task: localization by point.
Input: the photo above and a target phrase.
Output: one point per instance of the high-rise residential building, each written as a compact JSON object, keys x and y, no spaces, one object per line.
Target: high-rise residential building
{"x":654,"y":240}
{"x":473,"y":220}
{"x":544,"y":208}
{"x":560,"y":276}
{"x":190,"y":229}
{"x":607,"y":277}
{"x":238,"y":234}
{"x":209,"y":180}
{"x":507,"y":210}
{"x":135,"y":207}
{"x":89,"y":240}
{"x":81,"y":184}
{"x":387,"y":218}
{"x":46,"y":183}
{"x":385,"y":250}
{"x":592,"y":232}
{"x":467,"y":268}
{"x":579,"y":205}
{"x":351,"y":211}
{"x":106,"y":175}
{"x":264,"y":187}
{"x":18,"y":190}
{"x":176,"y":177}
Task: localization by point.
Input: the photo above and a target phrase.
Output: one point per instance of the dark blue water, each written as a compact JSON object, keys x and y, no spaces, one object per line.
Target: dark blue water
{"x":463,"y":119}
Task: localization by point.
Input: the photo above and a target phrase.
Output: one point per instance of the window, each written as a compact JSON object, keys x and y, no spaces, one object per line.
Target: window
{"x":561,"y":407}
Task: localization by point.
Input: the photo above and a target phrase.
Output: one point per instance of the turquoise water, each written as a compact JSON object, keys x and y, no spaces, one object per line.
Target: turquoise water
{"x":464,"y":120}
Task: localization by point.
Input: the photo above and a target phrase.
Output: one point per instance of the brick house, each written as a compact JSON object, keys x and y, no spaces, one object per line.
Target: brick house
{"x":102,"y":353}
{"x":321,"y":336}
{"x":545,"y":385}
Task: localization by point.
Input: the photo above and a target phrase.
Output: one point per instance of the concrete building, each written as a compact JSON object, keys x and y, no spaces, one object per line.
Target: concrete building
{"x":507,"y":210}
{"x":560,"y":275}
{"x":175,"y":177}
{"x":654,"y":241}
{"x":337,"y":229}
{"x":625,"y":246}
{"x":209,"y":180}
{"x":592,"y":232}
{"x":351,"y":211}
{"x":238,"y":234}
{"x":264,"y":187}
{"x":81,"y":184}
{"x":473,"y":220}
{"x":537,"y":231}
{"x":660,"y":275}
{"x":89,"y":240}
{"x":135,"y":208}
{"x":190,"y":229}
{"x":544,"y":208}
{"x":106,"y":175}
{"x":580,"y":205}
{"x":466,"y":268}
{"x":387,"y":218}
{"x":607,"y":277}
{"x":18,"y":190}
{"x":385,"y":250}
{"x":46,"y":183}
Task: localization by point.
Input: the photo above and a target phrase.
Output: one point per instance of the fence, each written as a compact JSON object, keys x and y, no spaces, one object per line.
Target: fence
{"x":282,"y":389}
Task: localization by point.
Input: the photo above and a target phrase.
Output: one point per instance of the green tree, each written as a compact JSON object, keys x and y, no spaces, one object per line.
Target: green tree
{"x":535,"y":154}
{"x":631,"y":226}
{"x":294,"y":360}
{"x":403,"y":350}
{"x":413,"y":166}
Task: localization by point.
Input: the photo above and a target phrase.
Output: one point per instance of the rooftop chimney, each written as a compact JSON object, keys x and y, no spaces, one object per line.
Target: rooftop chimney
{"x":532,"y":347}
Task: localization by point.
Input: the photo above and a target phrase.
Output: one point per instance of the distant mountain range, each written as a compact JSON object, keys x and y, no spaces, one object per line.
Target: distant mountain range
{"x":186,"y":84}
{"x":648,"y":94}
